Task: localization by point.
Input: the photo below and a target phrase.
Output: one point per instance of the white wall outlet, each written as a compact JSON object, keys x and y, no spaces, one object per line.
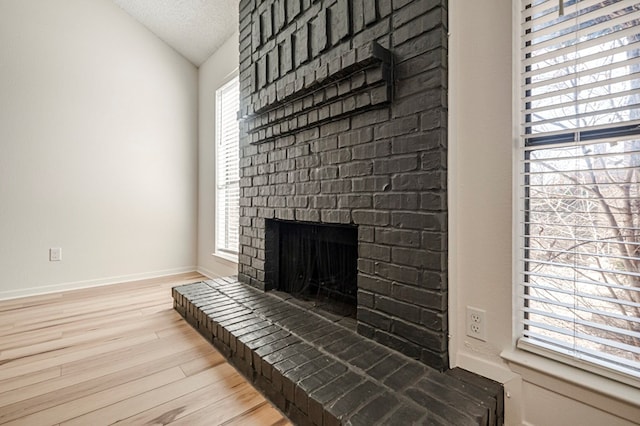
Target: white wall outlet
{"x":55,"y":254}
{"x":476,"y":324}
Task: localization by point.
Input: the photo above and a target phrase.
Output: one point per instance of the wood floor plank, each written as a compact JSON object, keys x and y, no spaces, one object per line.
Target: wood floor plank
{"x":151,"y":398}
{"x":24,"y":380}
{"x":197,"y":365}
{"x":170,"y":411}
{"x":82,"y":405}
{"x":262,"y":415}
{"x":91,"y":336}
{"x":100,"y":376}
{"x":140,"y":353}
{"x":16,"y":367}
{"x":117,"y":353}
{"x":223,"y":410}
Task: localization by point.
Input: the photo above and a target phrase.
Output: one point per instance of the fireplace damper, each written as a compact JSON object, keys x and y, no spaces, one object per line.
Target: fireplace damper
{"x":317,"y":263}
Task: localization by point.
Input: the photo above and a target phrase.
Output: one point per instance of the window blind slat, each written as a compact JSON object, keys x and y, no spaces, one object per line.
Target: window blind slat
{"x":569,"y":43}
{"x":560,"y":58}
{"x":582,"y":17}
{"x":543,"y":68}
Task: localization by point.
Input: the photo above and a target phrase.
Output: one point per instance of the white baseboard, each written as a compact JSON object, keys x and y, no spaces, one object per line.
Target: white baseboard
{"x":76,"y":285}
{"x":214,"y":266}
{"x":207,"y":273}
{"x":497,"y":371}
{"x":213,"y":275}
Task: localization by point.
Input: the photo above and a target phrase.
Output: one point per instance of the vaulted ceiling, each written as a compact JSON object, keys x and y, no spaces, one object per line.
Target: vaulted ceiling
{"x":195,"y":28}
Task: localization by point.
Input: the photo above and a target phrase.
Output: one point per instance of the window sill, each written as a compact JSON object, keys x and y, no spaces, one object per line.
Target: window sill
{"x":226,"y":256}
{"x":601,"y":392}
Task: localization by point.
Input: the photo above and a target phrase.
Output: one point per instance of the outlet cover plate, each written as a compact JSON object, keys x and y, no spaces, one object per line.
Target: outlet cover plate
{"x":55,"y":254}
{"x":476,"y":324}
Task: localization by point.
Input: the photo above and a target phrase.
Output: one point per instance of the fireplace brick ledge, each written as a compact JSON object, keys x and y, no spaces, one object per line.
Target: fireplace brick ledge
{"x":320,"y":373}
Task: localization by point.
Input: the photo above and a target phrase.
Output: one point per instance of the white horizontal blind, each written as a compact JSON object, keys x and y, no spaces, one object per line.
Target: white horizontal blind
{"x":580,"y":180}
{"x":227,"y":166}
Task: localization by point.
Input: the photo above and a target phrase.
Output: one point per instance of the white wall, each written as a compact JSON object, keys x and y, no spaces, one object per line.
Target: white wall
{"x":98,"y":148}
{"x":215,"y":72}
{"x":540,"y":392}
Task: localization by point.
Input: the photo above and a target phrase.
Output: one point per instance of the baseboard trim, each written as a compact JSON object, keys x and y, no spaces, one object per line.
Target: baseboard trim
{"x":207,"y":273}
{"x":99,"y":282}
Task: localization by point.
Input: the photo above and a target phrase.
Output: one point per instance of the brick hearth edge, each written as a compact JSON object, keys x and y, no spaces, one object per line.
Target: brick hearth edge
{"x":318,"y":372}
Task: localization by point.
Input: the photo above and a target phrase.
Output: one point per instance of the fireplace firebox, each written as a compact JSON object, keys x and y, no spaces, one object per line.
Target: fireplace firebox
{"x":314,"y":262}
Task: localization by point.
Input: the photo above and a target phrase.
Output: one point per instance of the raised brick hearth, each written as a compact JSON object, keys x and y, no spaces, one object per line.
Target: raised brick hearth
{"x":319,"y":372}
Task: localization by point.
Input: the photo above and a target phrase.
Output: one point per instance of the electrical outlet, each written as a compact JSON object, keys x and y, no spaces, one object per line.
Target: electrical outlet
{"x":55,"y":254}
{"x":476,"y":324}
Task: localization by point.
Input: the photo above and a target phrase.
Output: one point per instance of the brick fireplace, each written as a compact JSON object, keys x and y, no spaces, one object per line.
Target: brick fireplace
{"x":343,"y":196}
{"x":343,"y":122}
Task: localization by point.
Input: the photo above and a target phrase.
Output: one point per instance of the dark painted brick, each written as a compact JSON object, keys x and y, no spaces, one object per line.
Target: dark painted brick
{"x":370,"y":357}
{"x":355,"y":168}
{"x":422,"y":221}
{"x":375,"y":149}
{"x":419,"y":335}
{"x":405,"y":376}
{"x":439,"y":409}
{"x":319,"y":33}
{"x":340,"y":21}
{"x":366,"y":266}
{"x":386,"y":366}
{"x":411,"y":415}
{"x":405,"y":238}
{"x":398,"y":309}
{"x":371,"y":217}
{"x":417,"y":142}
{"x":419,"y":258}
{"x":336,"y":156}
{"x":375,"y":410}
{"x":355,"y":137}
{"x":422,"y":24}
{"x":354,"y":201}
{"x":371,"y":118}
{"x":336,"y":388}
{"x":354,"y":397}
{"x":373,"y":251}
{"x":371,"y":184}
{"x":365,"y":299}
{"x":334,"y":128}
{"x":396,"y":128}
{"x":401,"y":345}
{"x":426,"y":298}
{"x":335,"y":216}
{"x":398,"y":273}
{"x":395,"y":165}
{"x":374,"y":319}
{"x":336,"y":186}
{"x":434,"y":321}
{"x":324,"y":144}
{"x":376,"y":285}
{"x":366,"y":234}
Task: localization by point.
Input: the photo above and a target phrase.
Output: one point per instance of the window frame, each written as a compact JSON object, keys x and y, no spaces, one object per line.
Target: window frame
{"x":520,"y":152}
{"x":222,"y":251}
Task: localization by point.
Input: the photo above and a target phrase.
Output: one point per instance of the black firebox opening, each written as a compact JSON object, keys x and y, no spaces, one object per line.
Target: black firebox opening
{"x":318,"y":263}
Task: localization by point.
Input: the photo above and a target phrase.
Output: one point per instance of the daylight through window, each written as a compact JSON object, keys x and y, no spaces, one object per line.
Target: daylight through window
{"x":579,"y":180}
{"x":227,"y":168}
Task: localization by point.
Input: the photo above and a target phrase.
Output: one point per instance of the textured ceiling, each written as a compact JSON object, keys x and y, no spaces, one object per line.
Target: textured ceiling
{"x":195,"y":28}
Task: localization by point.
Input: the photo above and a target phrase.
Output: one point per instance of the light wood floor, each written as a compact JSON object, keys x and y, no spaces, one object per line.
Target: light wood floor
{"x":117,"y":353}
